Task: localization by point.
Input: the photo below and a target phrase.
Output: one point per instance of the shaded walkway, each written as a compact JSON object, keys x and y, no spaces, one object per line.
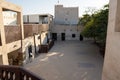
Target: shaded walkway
{"x":69,"y":60}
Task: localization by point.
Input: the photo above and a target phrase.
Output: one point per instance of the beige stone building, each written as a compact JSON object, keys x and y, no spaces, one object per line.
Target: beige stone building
{"x":10,"y":36}
{"x":18,"y":41}
{"x":65,"y":23}
{"x":36,"y":33}
{"x":111,"y":67}
{"x":15,"y":40}
{"x":34,"y":36}
{"x":66,"y":15}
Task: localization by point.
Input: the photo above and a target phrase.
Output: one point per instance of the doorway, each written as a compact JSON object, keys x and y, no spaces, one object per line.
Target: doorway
{"x":54,"y":36}
{"x":63,"y":36}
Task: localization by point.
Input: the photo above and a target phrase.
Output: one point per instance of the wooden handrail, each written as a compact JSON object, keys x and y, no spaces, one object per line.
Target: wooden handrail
{"x":16,"y":73}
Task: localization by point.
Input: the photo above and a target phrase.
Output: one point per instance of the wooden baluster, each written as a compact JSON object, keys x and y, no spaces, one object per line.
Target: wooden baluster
{"x":27,"y":77}
{"x":11,"y":75}
{"x":0,"y":74}
{"x":6,"y":75}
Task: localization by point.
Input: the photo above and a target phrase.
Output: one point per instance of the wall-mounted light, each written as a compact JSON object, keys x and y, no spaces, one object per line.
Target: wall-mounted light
{"x":14,"y":46}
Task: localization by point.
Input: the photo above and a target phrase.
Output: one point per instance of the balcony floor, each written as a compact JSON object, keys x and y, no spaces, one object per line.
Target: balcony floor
{"x":69,"y":60}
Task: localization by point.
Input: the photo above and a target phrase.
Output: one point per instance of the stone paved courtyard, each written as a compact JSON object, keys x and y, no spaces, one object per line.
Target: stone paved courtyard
{"x":69,"y":60}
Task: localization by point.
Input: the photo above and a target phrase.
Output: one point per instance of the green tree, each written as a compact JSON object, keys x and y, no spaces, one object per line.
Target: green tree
{"x":95,"y":25}
{"x":101,"y":21}
{"x":89,"y":30}
{"x":86,"y":18}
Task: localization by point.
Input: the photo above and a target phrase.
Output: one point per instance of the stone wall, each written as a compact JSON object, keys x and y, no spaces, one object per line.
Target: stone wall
{"x":68,"y":30}
{"x":111,"y":68}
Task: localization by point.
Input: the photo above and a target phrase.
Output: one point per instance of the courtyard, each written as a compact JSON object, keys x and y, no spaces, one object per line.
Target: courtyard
{"x":69,"y":60}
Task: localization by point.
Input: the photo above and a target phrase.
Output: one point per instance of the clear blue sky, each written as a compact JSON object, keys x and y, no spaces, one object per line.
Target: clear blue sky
{"x":47,"y":6}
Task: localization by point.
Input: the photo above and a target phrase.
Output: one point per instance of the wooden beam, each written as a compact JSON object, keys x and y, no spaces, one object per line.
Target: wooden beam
{"x":10,"y":6}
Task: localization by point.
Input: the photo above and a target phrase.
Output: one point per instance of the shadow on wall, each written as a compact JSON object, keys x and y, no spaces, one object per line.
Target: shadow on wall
{"x":1,"y":60}
{"x":29,"y":54}
{"x":15,"y":57}
{"x":44,"y":41}
{"x":32,"y":49}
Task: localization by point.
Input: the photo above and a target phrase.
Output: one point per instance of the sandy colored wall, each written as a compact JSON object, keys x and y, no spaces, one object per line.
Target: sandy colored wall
{"x":66,"y":15}
{"x":111,"y":69}
{"x":68,"y":30}
{"x":6,"y":49}
{"x":13,"y":46}
{"x":30,"y":41}
{"x":10,"y":47}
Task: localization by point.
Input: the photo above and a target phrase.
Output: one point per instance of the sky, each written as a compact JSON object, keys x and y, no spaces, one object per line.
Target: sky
{"x":47,"y":6}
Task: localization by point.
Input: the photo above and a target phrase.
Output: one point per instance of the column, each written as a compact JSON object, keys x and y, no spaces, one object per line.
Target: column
{"x":20,"y":24}
{"x":3,"y":39}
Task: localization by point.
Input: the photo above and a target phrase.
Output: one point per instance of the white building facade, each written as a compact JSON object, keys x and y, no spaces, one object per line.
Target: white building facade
{"x":37,"y":18}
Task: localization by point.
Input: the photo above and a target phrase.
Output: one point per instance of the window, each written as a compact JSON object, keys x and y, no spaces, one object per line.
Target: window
{"x":66,"y":19}
{"x":73,"y":35}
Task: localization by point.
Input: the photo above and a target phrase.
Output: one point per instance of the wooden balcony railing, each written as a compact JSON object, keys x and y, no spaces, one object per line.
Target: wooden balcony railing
{"x":30,"y":29}
{"x":12,"y":33}
{"x":16,"y":73}
{"x":43,"y":27}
